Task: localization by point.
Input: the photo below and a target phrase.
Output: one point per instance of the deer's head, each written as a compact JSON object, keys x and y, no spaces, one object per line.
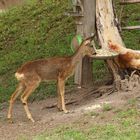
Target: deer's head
{"x":87,"y":49}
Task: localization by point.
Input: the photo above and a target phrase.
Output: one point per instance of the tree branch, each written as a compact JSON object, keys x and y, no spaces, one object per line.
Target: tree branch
{"x":131,"y":27}
{"x":129,"y":2}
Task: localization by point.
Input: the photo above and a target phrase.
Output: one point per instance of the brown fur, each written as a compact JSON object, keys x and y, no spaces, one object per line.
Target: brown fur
{"x":128,"y":58}
{"x":32,"y":73}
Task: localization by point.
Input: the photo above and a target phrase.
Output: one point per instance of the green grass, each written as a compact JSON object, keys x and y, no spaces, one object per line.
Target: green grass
{"x":67,"y":134}
{"x":97,"y":132}
{"x":31,"y":32}
{"x":34,"y":31}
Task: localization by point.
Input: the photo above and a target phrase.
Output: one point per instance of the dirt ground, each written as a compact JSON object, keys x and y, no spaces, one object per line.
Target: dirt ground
{"x":48,"y":117}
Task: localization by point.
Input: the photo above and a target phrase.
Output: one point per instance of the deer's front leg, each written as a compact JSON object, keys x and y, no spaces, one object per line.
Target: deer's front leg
{"x":59,"y":105}
{"x":61,"y":88}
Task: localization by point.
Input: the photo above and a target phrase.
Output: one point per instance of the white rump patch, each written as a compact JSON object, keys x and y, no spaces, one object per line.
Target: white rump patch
{"x":19,"y":76}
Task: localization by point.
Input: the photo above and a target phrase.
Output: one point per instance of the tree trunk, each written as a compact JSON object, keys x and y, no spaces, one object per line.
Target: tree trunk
{"x":107,"y":30}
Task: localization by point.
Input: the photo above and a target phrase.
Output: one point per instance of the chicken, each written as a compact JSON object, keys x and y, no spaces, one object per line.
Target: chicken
{"x":127,"y":58}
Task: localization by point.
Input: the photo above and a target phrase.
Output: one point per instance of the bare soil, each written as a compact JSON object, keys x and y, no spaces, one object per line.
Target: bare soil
{"x":47,"y":116}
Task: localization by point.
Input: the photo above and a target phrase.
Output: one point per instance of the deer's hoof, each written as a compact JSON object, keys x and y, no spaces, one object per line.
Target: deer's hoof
{"x":59,"y":108}
{"x":32,"y":120}
{"x":66,"y":111}
{"x":79,"y":87}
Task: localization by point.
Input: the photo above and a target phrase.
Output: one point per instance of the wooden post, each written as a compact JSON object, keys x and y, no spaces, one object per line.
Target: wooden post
{"x":85,"y":27}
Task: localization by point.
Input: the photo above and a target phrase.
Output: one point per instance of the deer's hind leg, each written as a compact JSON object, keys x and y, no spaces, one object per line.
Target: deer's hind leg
{"x":17,"y":92}
{"x":28,"y":91}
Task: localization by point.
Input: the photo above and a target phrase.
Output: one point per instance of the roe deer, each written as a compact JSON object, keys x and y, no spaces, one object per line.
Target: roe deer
{"x":32,"y":73}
